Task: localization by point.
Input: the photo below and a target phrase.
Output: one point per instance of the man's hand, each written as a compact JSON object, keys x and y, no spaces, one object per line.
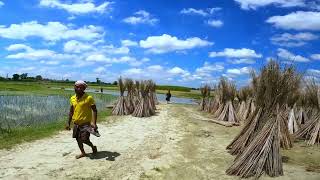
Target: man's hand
{"x":94,"y":126}
{"x":67,"y":127}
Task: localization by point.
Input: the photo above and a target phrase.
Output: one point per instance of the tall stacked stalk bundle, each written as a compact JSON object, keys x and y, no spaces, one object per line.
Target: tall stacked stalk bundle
{"x":130,"y":94}
{"x":262,"y":155}
{"x":121,"y":107}
{"x":310,"y":131}
{"x":266,"y":130}
{"x":226,"y":110}
{"x":302,"y":110}
{"x":151,"y":95}
{"x":243,"y":110}
{"x":143,"y":108}
{"x":205,"y":93}
{"x":215,"y":100}
{"x":137,"y":93}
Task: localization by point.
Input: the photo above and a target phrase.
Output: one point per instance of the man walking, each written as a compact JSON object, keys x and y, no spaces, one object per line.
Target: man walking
{"x":81,"y":108}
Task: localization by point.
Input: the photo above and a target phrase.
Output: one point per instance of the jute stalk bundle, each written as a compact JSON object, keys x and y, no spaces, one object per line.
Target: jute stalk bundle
{"x":266,"y":130}
{"x":121,"y":107}
{"x":310,"y":131}
{"x":130,"y":94}
{"x":143,"y":108}
{"x":205,"y":93}
{"x":262,"y":155}
{"x":226,"y":110}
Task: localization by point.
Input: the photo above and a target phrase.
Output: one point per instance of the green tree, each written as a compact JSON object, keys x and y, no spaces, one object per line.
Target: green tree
{"x":38,"y":77}
{"x":98,"y":80}
{"x":115,"y":83}
{"x":15,"y":77}
{"x":24,"y":75}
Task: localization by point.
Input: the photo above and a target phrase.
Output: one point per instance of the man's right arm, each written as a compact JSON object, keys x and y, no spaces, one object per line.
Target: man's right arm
{"x":70,"y":117}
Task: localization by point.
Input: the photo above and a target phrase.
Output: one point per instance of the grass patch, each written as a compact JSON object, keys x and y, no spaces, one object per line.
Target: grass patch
{"x":28,"y":134}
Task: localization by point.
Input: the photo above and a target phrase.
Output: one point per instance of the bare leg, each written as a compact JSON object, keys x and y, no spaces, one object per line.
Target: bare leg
{"x":94,"y":148}
{"x":83,"y":153}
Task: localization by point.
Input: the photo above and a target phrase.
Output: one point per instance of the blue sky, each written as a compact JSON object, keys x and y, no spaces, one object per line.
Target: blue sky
{"x":181,"y":42}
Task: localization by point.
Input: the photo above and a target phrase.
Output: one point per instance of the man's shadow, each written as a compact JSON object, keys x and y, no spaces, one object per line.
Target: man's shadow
{"x":110,"y":156}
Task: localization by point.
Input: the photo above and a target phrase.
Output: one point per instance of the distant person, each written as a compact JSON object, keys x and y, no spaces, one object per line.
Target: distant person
{"x":82,"y":106}
{"x":101,"y":90}
{"x":168,"y":96}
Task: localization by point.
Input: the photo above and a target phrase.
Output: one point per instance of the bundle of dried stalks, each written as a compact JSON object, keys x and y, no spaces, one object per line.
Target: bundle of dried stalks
{"x":143,"y":108}
{"x":151,"y":95}
{"x":263,"y":154}
{"x":153,"y":92}
{"x":130,"y":94}
{"x":121,"y":107}
{"x":271,"y":89}
{"x":293,"y":126}
{"x":137,"y":93}
{"x":310,"y":131}
{"x":205,"y":93}
{"x":243,"y":110}
{"x":226,"y":110}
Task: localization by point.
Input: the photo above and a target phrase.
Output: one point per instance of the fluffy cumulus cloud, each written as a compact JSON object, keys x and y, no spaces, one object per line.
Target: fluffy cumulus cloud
{"x":293,"y":40}
{"x":238,"y":71}
{"x":26,"y":52}
{"x":254,"y":4}
{"x":128,"y":43}
{"x":215,"y":23}
{"x":201,"y":12}
{"x":236,"y":53}
{"x":77,"y":8}
{"x":300,"y":20}
{"x":242,"y":61}
{"x":141,"y":17}
{"x":52,"y":31}
{"x":207,"y":69}
{"x":315,"y":56}
{"x":288,"y":56}
{"x":77,"y":47}
{"x":167,"y":43}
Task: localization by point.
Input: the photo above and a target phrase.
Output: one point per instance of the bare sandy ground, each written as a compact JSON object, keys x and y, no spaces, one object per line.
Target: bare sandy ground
{"x":177,"y":143}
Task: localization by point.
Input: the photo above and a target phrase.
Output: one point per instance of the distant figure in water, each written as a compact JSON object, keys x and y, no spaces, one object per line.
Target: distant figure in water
{"x":168,"y":96}
{"x":101,"y":90}
{"x":82,"y":106}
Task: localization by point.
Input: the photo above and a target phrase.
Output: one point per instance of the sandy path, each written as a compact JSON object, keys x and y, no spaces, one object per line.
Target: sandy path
{"x":177,"y":143}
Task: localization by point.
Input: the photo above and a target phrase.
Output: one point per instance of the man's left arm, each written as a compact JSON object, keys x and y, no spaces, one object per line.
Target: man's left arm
{"x":95,"y":115}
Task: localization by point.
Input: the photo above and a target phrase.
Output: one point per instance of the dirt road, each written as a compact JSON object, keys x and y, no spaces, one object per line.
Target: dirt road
{"x":177,"y":143}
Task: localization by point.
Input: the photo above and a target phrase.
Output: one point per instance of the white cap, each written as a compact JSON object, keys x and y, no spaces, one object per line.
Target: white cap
{"x":80,"y":82}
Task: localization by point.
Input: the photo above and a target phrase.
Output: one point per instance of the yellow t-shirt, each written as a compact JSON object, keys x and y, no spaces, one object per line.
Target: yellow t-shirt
{"x":82,"y":109}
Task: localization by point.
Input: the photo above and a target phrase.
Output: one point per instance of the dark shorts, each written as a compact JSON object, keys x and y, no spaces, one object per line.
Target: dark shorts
{"x":80,"y":132}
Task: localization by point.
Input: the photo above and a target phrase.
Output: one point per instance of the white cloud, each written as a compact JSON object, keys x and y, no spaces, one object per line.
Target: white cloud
{"x":314,"y":72}
{"x":133,"y":71}
{"x":74,"y":46}
{"x":128,"y":43}
{"x":235,"y":72}
{"x":315,"y":56}
{"x":286,"y":55}
{"x":201,"y":12}
{"x":1,"y":3}
{"x":52,"y":31}
{"x":99,"y":70}
{"x":141,"y":17}
{"x":176,"y":70}
{"x":155,"y":68}
{"x":102,"y":58}
{"x":300,"y":20}
{"x":114,"y":50}
{"x":254,"y":4}
{"x":236,"y":53}
{"x":76,"y":8}
{"x":207,"y":69}
{"x":293,"y":40}
{"x":16,"y":47}
{"x":35,"y":54}
{"x":242,"y":61}
{"x":215,"y":23}
{"x":167,"y":43}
